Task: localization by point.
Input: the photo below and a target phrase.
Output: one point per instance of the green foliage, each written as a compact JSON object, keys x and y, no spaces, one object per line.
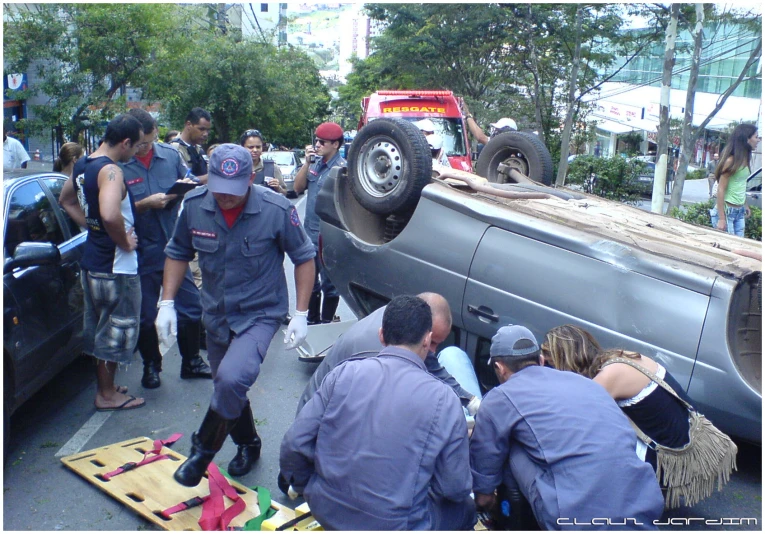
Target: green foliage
{"x":506,"y":60}
{"x":244,"y":85}
{"x":694,"y":213}
{"x":699,"y":214}
{"x":753,"y":229}
{"x":611,"y":178}
{"x":84,"y":55}
{"x":698,"y":174}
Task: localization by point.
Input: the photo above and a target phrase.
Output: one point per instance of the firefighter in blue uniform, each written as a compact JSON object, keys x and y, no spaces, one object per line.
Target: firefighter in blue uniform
{"x":149,"y":175}
{"x":241,"y":232}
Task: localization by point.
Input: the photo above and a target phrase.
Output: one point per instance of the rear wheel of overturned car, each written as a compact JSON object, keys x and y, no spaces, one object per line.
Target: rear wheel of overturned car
{"x":521,"y":151}
{"x":388,"y":166}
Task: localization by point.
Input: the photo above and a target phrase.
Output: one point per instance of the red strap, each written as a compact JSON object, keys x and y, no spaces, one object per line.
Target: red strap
{"x":180,"y":507}
{"x":158,"y":444}
{"x":215,"y":516}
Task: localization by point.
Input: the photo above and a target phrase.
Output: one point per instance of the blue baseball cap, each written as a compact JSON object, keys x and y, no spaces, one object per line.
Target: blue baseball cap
{"x":230,"y":170}
{"x":513,"y":340}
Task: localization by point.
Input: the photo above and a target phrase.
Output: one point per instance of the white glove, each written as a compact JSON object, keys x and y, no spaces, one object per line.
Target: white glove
{"x":292,"y":494}
{"x":473,"y":405}
{"x":167,"y":322}
{"x":297,"y":330}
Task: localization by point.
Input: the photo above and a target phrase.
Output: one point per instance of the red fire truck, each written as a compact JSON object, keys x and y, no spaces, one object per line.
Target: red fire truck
{"x":441,"y":107}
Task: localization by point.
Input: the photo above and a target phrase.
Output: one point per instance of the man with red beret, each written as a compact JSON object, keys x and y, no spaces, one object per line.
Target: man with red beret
{"x":326,"y":152}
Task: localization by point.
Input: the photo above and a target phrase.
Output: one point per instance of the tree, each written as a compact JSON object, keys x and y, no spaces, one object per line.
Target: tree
{"x":85,"y":55}
{"x":243,"y":84}
{"x":691,"y":134}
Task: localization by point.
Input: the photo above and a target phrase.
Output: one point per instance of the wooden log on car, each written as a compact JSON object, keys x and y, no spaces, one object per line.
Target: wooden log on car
{"x":480,"y":184}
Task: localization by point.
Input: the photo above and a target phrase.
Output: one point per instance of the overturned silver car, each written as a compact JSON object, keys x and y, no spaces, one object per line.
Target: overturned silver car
{"x":690,"y":297}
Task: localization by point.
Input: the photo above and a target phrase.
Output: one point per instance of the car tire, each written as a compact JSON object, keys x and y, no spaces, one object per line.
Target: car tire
{"x":520,"y":150}
{"x":388,"y":166}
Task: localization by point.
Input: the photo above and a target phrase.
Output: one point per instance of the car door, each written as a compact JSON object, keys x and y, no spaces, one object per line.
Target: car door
{"x":48,"y":311}
{"x":516,"y":279}
{"x":754,"y":189}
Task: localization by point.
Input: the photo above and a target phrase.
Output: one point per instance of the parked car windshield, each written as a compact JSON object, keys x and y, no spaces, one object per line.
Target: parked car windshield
{"x":280,"y":158}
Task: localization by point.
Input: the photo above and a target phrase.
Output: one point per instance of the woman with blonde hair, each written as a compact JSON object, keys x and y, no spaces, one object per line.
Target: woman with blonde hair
{"x":658,"y":408}
{"x":69,"y":153}
{"x":654,"y":410}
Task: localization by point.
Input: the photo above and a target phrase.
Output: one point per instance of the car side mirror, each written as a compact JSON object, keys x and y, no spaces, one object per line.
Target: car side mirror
{"x":30,"y":254}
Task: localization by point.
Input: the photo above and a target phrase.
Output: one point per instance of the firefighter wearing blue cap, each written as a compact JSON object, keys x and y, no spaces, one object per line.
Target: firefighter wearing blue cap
{"x":241,"y":232}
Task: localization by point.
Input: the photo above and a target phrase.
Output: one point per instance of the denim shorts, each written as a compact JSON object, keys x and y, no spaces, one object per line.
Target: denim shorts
{"x":112,"y":314}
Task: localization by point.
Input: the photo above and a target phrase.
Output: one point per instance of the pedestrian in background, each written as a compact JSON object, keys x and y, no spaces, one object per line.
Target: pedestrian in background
{"x":731,"y":174}
{"x":189,"y":142}
{"x":320,"y":159}
{"x":154,"y":169}
{"x":241,"y":234}
{"x":96,"y":196}
{"x":14,"y":154}
{"x":267,"y":173}
{"x":170,"y":136}
{"x":711,"y":166}
{"x":383,"y":445}
{"x":67,"y":156}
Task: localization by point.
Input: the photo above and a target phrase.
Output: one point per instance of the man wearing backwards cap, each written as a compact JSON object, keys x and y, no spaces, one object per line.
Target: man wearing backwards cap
{"x":326,"y":151}
{"x":241,"y":233}
{"x":561,"y":440}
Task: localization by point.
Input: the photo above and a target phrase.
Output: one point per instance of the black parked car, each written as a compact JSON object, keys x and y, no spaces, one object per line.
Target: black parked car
{"x":42,"y":295}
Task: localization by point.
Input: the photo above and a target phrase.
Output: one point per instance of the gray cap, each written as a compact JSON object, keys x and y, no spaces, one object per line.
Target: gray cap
{"x":505,"y":340}
{"x":230,"y":170}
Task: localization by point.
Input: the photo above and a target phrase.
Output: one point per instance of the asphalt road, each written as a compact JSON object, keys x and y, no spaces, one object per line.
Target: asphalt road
{"x":41,"y":494}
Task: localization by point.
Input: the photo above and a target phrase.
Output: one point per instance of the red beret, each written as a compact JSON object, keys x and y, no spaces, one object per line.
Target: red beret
{"x":331,"y":131}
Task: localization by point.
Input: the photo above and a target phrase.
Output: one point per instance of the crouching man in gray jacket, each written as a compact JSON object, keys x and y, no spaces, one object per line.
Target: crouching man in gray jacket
{"x":383,"y":444}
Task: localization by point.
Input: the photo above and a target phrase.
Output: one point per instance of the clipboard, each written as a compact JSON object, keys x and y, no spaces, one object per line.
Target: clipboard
{"x":181,"y":188}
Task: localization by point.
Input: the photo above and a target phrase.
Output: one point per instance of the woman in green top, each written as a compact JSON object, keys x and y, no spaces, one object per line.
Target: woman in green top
{"x":731,"y":175}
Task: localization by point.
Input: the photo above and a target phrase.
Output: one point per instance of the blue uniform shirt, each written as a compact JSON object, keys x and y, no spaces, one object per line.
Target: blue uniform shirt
{"x":377,"y":443}
{"x":317,"y":174}
{"x":570,"y":449}
{"x":242,"y":266}
{"x":154,"y":227}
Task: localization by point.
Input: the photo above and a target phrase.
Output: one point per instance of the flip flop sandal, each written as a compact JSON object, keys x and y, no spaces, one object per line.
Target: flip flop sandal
{"x":123,"y":406}
{"x":121,"y":389}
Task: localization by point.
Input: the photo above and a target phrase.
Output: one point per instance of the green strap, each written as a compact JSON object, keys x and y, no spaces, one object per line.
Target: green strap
{"x":266,"y":512}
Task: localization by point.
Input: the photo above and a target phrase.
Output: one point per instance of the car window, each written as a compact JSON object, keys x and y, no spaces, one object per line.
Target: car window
{"x":55,"y":185}
{"x":30,"y":218}
{"x":483,"y":370}
{"x":754,"y":183}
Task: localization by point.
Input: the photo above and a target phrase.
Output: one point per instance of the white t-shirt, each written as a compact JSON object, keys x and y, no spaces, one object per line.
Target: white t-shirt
{"x":13,"y":154}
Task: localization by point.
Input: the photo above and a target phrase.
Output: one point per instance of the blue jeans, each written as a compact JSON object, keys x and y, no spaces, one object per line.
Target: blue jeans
{"x":736,"y":218}
{"x":457,"y":362}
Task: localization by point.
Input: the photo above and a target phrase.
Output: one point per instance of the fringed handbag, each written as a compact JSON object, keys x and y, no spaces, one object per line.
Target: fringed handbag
{"x":689,"y":472}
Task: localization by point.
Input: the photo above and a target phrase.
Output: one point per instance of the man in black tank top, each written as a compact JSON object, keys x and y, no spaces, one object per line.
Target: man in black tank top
{"x":96,"y":196}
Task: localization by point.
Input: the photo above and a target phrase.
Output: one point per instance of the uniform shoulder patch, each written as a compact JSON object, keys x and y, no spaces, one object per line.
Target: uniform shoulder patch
{"x":294,"y":218}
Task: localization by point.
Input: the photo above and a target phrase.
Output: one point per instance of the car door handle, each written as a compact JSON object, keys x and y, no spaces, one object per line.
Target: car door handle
{"x":484,"y":314}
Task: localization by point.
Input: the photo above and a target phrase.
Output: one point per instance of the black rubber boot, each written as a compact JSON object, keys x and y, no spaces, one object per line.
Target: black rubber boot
{"x":329,"y":308}
{"x":314,"y":308}
{"x":148,"y":346}
{"x":192,"y":364}
{"x":248,"y":443}
{"x":205,"y":443}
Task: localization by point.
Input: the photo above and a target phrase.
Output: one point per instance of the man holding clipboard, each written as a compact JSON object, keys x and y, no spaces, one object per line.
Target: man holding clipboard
{"x":158,"y":178}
